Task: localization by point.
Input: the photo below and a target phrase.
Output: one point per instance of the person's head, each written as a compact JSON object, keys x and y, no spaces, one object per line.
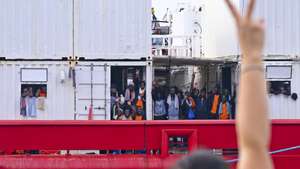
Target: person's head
{"x":120,"y":112}
{"x":196,"y":92}
{"x":224,"y":99}
{"x":113,"y":89}
{"x":172,"y":90}
{"x":25,"y":92}
{"x":131,"y":86}
{"x":127,"y":112}
{"x":153,"y":11}
{"x":187,"y":94}
{"x":143,"y":84}
{"x":154,"y":84}
{"x":216,"y":90}
{"x":203,"y":93}
{"x":226,"y":92}
{"x":30,"y":92}
{"x":201,"y":160}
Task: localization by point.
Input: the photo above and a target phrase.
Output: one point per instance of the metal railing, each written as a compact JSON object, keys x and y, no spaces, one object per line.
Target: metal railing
{"x":271,"y":153}
{"x":186,"y":46}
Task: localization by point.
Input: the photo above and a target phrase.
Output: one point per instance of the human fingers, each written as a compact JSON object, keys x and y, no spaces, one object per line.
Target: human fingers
{"x":233,"y":10}
{"x":250,"y":9}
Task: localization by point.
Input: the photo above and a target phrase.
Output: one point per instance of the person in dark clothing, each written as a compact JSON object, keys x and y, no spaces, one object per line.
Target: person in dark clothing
{"x":202,"y":106}
{"x":155,"y":90}
{"x":233,"y":105}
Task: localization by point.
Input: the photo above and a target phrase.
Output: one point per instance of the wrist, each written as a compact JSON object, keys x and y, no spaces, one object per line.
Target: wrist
{"x":252,"y":58}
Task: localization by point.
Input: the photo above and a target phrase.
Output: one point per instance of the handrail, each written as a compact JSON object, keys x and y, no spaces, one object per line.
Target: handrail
{"x":271,"y":153}
{"x":177,"y":45}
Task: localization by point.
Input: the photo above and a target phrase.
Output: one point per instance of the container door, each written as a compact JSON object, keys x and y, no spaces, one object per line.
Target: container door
{"x":91,"y":92}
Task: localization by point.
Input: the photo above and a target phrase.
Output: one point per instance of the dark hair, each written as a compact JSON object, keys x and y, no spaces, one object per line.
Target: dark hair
{"x":201,"y":160}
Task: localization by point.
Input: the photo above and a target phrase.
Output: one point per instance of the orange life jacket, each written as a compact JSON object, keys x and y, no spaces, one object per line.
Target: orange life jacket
{"x":215,"y":104}
{"x":138,"y":117}
{"x":139,"y":103}
{"x":224,"y":115}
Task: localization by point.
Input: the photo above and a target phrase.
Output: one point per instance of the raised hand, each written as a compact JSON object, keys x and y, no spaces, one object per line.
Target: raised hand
{"x":251,"y":33}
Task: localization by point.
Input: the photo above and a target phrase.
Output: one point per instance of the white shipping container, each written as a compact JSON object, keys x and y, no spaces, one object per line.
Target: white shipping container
{"x":282,"y":27}
{"x":59,"y":102}
{"x":282,"y":106}
{"x":43,"y":29}
{"x":65,"y":100}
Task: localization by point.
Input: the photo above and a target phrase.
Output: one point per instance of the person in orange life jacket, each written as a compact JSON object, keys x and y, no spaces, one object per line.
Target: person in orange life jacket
{"x":224,"y":109}
{"x":130,"y":94}
{"x":142,"y":92}
{"x":140,"y":104}
{"x":215,"y":100}
{"x":139,"y":114}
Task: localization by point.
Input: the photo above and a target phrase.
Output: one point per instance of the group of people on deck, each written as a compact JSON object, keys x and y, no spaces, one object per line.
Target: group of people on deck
{"x":131,"y":104}
{"x":173,"y":104}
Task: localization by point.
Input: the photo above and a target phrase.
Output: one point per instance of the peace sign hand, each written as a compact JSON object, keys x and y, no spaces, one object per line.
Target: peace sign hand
{"x":251,"y":33}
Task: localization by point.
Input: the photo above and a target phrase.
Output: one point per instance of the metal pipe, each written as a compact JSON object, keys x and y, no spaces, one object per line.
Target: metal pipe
{"x":271,"y":153}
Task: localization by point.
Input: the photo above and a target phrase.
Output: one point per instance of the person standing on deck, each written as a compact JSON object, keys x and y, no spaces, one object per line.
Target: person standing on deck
{"x":173,"y":105}
{"x":215,"y":102}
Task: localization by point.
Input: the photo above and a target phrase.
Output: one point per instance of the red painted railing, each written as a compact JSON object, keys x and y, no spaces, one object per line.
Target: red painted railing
{"x":128,"y":135}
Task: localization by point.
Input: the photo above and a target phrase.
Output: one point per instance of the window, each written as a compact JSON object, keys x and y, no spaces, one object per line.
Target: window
{"x":35,"y":90}
{"x":280,"y":87}
{"x":279,"y":72}
{"x":178,"y":145}
{"x":34,"y":75}
{"x":32,"y":100}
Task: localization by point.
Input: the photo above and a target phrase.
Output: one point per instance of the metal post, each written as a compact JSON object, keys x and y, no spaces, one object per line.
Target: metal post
{"x":105,"y":91}
{"x":149,"y":71}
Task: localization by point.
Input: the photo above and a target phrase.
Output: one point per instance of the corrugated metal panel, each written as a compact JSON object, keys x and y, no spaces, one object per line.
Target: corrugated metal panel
{"x":282,"y":25}
{"x":35,"y":28}
{"x":113,"y":28}
{"x":103,"y":28}
{"x":59,"y":103}
{"x":283,"y":107}
{"x":219,"y":35}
